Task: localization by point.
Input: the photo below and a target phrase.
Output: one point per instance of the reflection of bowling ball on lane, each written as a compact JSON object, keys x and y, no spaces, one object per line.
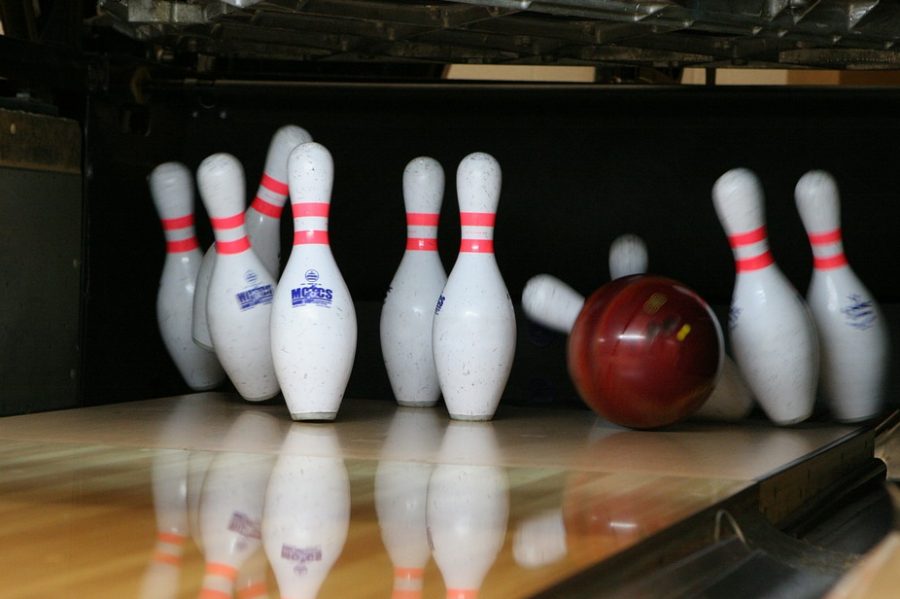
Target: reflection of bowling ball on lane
{"x":645,"y":351}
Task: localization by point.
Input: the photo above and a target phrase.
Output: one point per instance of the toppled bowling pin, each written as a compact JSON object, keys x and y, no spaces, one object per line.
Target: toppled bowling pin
{"x":239,"y":302}
{"x":627,"y":256}
{"x":853,"y":334}
{"x":172,"y":189}
{"x":262,"y":219}
{"x":772,"y":332}
{"x":408,"y":313}
{"x":313,"y":319}
{"x":474,"y":333}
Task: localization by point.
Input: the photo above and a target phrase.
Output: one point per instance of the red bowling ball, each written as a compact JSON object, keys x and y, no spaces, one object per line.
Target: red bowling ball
{"x":645,"y":351}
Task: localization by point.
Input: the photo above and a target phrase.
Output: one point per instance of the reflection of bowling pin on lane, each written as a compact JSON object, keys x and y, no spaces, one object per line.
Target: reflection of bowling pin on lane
{"x":232,"y":501}
{"x":263,"y":221}
{"x":307,"y":513}
{"x":474,"y":333}
{"x":241,"y":289}
{"x":252,"y":578}
{"x":169,"y":482}
{"x":772,"y":333}
{"x":468,"y":507}
{"x":313,"y":319}
{"x":401,"y":486}
{"x":553,"y":304}
{"x":408,"y":313}
{"x":172,"y":189}
{"x":627,"y":256}
{"x":852,"y":331}
{"x":731,"y":399}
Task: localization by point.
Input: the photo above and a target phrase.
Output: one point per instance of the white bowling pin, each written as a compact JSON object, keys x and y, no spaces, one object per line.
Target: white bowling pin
{"x":252,"y":580}
{"x":172,"y":188}
{"x":401,"y":486}
{"x":853,"y":334}
{"x":468,"y":507}
{"x":408,"y":312}
{"x":474,"y":333}
{"x":553,"y":304}
{"x":627,"y":256}
{"x":313,"y":319}
{"x":773,"y":336}
{"x":307,"y":513}
{"x":239,"y":302}
{"x":231,"y":503}
{"x":262,"y":219}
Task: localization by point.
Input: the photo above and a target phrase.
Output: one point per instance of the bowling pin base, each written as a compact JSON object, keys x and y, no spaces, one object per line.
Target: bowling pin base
{"x":471,"y":417}
{"x":261,"y":398}
{"x":208,"y":387}
{"x":417,"y":404}
{"x":307,"y":416}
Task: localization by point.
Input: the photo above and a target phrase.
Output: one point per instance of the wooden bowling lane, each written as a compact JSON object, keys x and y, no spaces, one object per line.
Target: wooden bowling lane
{"x":84,"y":492}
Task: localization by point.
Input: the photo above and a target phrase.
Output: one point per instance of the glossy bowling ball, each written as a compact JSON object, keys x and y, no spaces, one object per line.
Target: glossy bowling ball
{"x":645,"y":351}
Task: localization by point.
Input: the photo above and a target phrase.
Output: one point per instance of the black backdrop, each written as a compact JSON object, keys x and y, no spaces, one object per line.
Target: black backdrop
{"x":581,"y":165}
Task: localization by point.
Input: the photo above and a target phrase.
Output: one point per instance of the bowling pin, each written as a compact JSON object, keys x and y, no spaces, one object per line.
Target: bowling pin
{"x":408,"y":313}
{"x":262,"y":219}
{"x":307,"y":512}
{"x":468,"y":507}
{"x":401,"y":488}
{"x":853,"y":334}
{"x":239,"y":302}
{"x":172,"y":189}
{"x":474,"y":333}
{"x":313,"y":318}
{"x":773,"y":336}
{"x":627,"y":256}
{"x":553,"y":304}
{"x":231,"y":503}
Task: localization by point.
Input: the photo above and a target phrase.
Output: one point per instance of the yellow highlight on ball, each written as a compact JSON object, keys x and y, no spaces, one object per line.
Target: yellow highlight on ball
{"x":683,"y":332}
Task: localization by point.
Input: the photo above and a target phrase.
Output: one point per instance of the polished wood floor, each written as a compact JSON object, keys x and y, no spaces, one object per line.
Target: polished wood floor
{"x":207,"y":496}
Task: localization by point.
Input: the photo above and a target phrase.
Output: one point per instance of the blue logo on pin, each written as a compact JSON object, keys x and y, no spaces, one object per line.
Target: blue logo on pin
{"x":311,"y":275}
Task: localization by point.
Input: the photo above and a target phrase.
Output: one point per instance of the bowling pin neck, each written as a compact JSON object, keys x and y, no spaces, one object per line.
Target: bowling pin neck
{"x":828,"y":250}
{"x":270,"y":197}
{"x":179,"y":232}
{"x":231,"y":234}
{"x":477,"y":232}
{"x":751,"y":250}
{"x":421,"y":231}
{"x":310,"y":223}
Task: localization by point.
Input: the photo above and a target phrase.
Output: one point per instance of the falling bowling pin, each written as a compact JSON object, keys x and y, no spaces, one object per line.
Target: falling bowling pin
{"x":852,"y":331}
{"x":262,"y":219}
{"x":239,"y":302}
{"x":627,"y":256}
{"x":313,"y":319}
{"x":408,"y":313}
{"x":474,"y":333}
{"x":773,"y":336}
{"x":172,"y":188}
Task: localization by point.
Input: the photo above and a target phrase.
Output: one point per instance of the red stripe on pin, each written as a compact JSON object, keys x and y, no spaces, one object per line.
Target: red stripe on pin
{"x":754,"y":236}
{"x":827,"y":263}
{"x":233,"y":247}
{"x":826,"y":237}
{"x":182,"y":245}
{"x":171,"y":537}
{"x":422,"y":219}
{"x":424,"y":244}
{"x":228,"y":222}
{"x":251,"y":591}
{"x":755,"y":262}
{"x":477,"y":246}
{"x":178,"y":223}
{"x":167,"y":558}
{"x":222,"y":570}
{"x":274,"y":185}
{"x":302,"y":209}
{"x":462,"y":593}
{"x":214,"y":594}
{"x":311,"y":237}
{"x":267,"y":208}
{"x":409,"y":573}
{"x":477,"y":219}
